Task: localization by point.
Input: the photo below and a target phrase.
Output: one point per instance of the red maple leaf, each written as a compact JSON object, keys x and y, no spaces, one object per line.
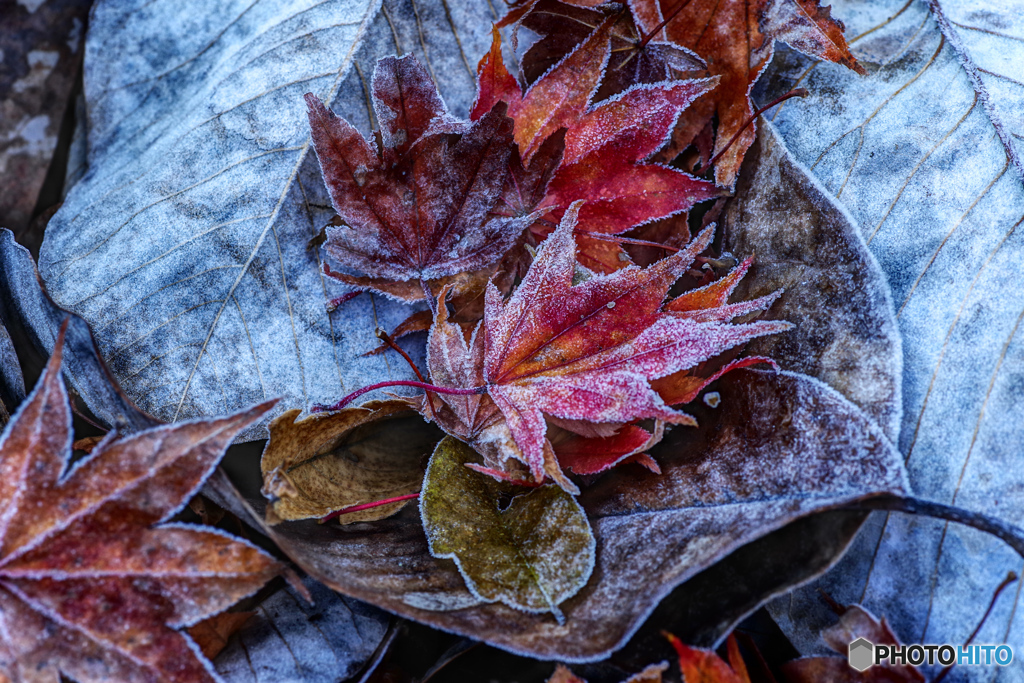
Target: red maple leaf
{"x":91,"y":583}
{"x":736,"y":39}
{"x":417,"y":206}
{"x":605,"y":147}
{"x":589,"y":350}
{"x":633,"y":60}
{"x":579,"y":350}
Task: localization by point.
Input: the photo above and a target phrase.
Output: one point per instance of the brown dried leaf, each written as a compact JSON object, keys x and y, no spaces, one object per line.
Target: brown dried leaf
{"x":653,"y":532}
{"x":327,"y":462}
{"x":808,"y":245}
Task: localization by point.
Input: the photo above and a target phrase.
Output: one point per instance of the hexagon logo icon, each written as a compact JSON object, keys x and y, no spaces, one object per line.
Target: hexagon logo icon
{"x":862,"y":654}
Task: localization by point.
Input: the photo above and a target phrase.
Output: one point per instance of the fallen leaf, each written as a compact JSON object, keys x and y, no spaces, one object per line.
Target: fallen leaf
{"x":42,"y":50}
{"x":588,"y":351}
{"x":856,"y":622}
{"x":808,"y":246}
{"x":212,"y":634}
{"x":737,"y":40}
{"x":418,"y":207}
{"x":562,"y":26}
{"x":290,"y":639}
{"x":193,"y":219}
{"x":28,"y":310}
{"x":919,"y":121}
{"x":605,"y":144}
{"x":90,"y":587}
{"x":531,"y":554}
{"x":705,"y":666}
{"x":12,"y":385}
{"x":653,"y":532}
{"x":327,"y":462}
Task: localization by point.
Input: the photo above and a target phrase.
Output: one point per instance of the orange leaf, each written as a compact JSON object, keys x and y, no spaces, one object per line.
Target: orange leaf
{"x":705,"y":666}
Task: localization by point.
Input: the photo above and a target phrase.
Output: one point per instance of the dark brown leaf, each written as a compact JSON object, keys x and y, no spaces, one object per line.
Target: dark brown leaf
{"x":653,"y":532}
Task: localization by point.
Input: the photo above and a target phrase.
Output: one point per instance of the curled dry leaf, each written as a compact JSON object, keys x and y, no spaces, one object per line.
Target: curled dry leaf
{"x":88,"y":585}
{"x":531,"y":552}
{"x":291,"y":640}
{"x":809,"y":246}
{"x":778,"y":448}
{"x":328,"y":462}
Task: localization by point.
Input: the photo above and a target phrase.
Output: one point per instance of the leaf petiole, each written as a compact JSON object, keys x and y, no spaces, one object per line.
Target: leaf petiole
{"x":319,"y":407}
{"x":366,"y":506}
{"x":796,"y":92}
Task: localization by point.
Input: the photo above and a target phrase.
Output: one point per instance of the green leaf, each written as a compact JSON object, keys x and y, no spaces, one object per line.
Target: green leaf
{"x":532,"y":555}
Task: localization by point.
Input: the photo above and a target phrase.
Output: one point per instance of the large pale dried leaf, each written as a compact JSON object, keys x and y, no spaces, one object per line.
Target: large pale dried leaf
{"x":41,"y":48}
{"x":184,"y":245}
{"x":290,"y":640}
{"x":323,"y":463}
{"x":531,"y":555}
{"x":918,"y":152}
{"x":90,"y":586}
{"x":778,"y":448}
